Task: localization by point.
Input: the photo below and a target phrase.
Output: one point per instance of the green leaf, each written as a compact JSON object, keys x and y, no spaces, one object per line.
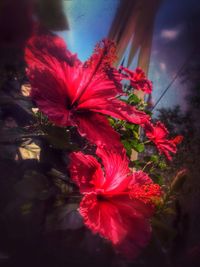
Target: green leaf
{"x":139,"y":147}
{"x":136,"y":134}
{"x":133,"y":99}
{"x":154,"y":158}
{"x":127,"y":146}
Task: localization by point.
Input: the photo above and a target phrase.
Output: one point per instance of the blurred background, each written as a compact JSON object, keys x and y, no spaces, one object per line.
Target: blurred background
{"x":162,"y":37}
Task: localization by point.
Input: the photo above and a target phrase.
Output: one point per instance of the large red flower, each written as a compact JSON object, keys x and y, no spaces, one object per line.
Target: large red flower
{"x":158,"y":135}
{"x":117,"y":204}
{"x":73,"y":93}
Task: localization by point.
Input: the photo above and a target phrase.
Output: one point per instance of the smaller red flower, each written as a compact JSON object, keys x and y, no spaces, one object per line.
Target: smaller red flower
{"x":137,"y":79}
{"x":117,"y":204}
{"x":158,"y":135}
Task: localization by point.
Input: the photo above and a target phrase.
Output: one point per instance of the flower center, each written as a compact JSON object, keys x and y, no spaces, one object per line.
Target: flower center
{"x":69,"y":105}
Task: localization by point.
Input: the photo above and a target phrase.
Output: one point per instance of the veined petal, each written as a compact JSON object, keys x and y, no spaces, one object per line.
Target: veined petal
{"x":122,"y":221}
{"x":100,"y":78}
{"x":51,"y":101}
{"x":100,"y":87}
{"x":86,"y":172}
{"x":121,"y":110}
{"x":116,"y":171}
{"x":97,"y":130}
{"x":102,"y":217}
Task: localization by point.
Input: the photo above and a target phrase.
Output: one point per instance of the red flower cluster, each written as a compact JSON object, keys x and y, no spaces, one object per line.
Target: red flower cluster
{"x":117,"y":203}
{"x":73,"y":93}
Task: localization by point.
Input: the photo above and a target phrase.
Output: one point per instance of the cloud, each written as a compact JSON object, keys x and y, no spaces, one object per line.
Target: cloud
{"x":171,"y":34}
{"x":163,"y":66}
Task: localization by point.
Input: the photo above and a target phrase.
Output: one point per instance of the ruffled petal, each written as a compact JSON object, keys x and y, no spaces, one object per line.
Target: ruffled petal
{"x":86,"y":172}
{"x":97,"y":130}
{"x":49,"y":62}
{"x":122,"y":221}
{"x":102,"y":217}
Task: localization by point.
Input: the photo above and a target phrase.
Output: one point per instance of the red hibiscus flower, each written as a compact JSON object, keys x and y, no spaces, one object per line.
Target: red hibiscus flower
{"x":158,"y":135}
{"x":73,"y":93}
{"x":117,"y":204}
{"x":138,"y":80}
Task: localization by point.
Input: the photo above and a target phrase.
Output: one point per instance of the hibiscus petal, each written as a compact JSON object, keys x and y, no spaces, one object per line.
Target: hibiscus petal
{"x":102,"y":80}
{"x":116,"y":171}
{"x":165,"y":147}
{"x":97,"y":130}
{"x":85,"y":172}
{"x":62,"y":71}
{"x":48,"y":93}
{"x":41,"y":46}
{"x":121,"y":110}
{"x":140,"y":177}
{"x":136,"y":220}
{"x":122,"y":221}
{"x":159,"y":131}
{"x":102,"y":217}
{"x":101,"y":86}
